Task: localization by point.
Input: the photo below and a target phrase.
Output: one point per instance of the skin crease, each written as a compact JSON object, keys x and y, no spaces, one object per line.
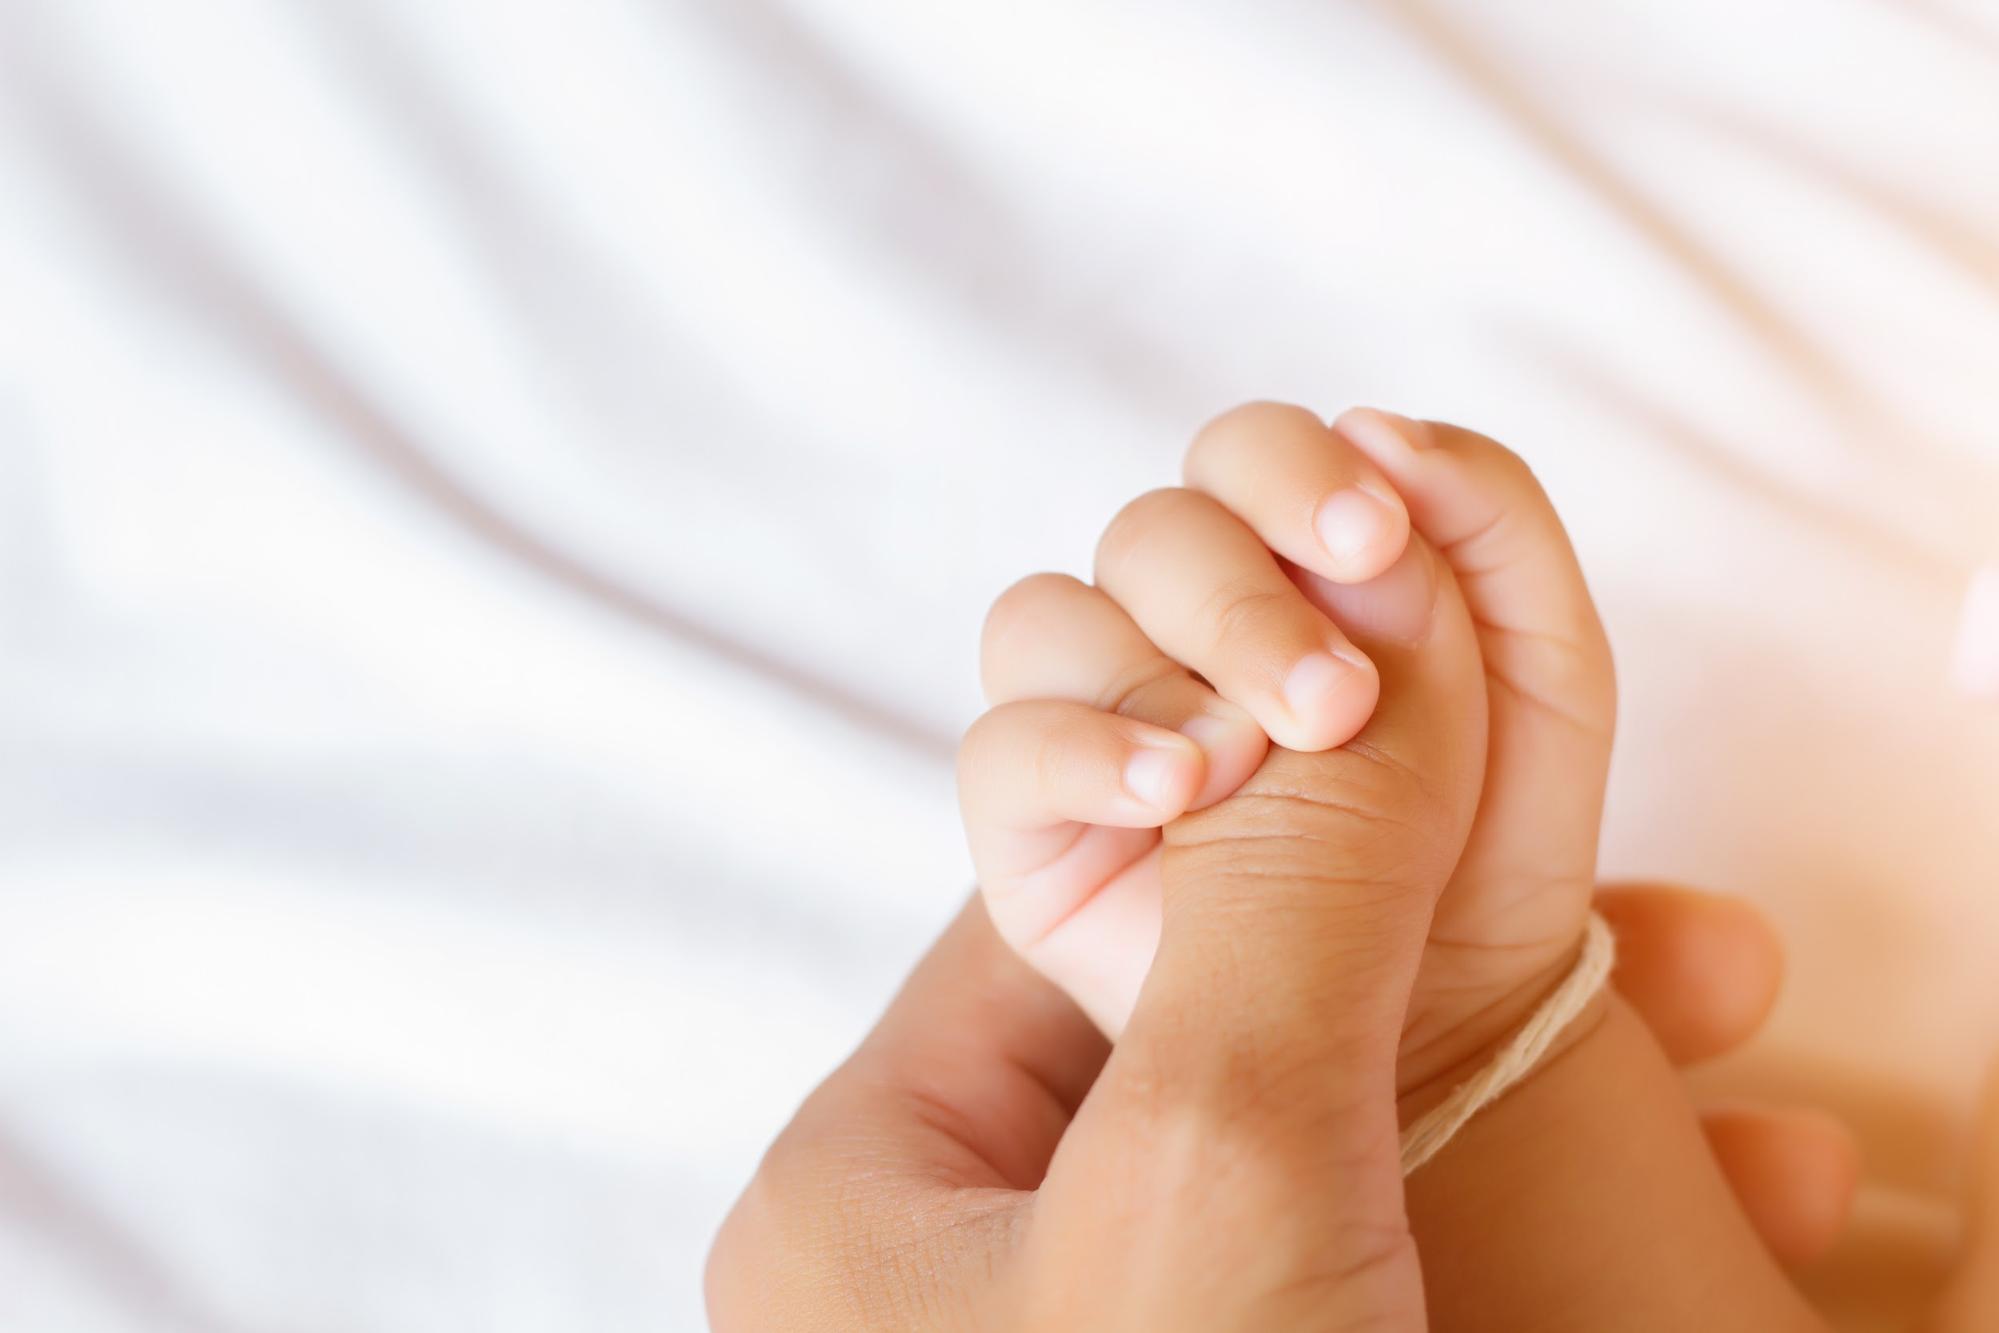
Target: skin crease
{"x":977,"y":1164}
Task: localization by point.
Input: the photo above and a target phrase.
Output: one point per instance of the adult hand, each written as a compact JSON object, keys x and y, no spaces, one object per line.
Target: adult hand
{"x":1234,"y":1163}
{"x":900,"y":1195}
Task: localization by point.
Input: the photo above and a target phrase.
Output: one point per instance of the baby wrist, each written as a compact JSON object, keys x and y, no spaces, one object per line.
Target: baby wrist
{"x":1561,"y":1015}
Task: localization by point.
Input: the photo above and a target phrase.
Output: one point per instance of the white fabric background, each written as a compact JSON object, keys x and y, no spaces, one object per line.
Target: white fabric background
{"x":496,"y":502}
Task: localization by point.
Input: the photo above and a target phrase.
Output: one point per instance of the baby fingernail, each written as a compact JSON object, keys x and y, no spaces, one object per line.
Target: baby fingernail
{"x":1156,"y":777}
{"x":1351,"y":523}
{"x":1376,"y":430}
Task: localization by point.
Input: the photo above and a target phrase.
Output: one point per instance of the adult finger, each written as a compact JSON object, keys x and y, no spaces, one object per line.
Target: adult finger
{"x":1255,"y":1085}
{"x":1701,"y":969}
{"x":1793,"y":1169}
{"x":1969,"y":1302}
{"x":1323,"y":868}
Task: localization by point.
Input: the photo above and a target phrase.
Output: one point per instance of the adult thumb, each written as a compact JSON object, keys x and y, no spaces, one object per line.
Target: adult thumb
{"x":1296,"y":911}
{"x":1247,"y":1117}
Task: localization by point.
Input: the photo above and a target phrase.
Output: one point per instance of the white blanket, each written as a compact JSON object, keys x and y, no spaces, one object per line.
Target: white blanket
{"x":496,"y":503}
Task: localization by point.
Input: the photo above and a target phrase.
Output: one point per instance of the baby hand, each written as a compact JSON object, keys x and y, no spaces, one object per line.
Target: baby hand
{"x":1122,"y":705}
{"x":1282,"y":561}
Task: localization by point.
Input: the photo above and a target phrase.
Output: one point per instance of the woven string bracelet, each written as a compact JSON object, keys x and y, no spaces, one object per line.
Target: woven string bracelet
{"x":1421,"y":1140}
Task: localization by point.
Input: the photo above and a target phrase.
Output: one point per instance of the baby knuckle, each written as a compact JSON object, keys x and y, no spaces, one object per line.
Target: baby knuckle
{"x":1511,"y":465}
{"x":1590,"y":678}
{"x":993,"y":735}
{"x":1571,"y":682}
{"x":1024,"y":603}
{"x":1024,"y":611}
{"x":1140,"y":522}
{"x":1127,"y":693}
{"x":1053,"y":759}
{"x":1484,"y":452}
{"x":1249,"y":421}
{"x":973,"y":745}
{"x":1243,"y":612}
{"x":1607,"y":687}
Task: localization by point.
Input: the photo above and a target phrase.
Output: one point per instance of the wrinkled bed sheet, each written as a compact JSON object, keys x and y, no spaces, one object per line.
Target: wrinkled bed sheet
{"x":496,"y":503}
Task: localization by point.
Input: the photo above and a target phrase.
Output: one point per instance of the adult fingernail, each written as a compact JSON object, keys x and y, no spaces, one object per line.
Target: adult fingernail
{"x":1157,"y":777}
{"x":1351,"y":524}
{"x":1399,"y":605}
{"x":1315,"y":684}
{"x":1210,"y":732}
